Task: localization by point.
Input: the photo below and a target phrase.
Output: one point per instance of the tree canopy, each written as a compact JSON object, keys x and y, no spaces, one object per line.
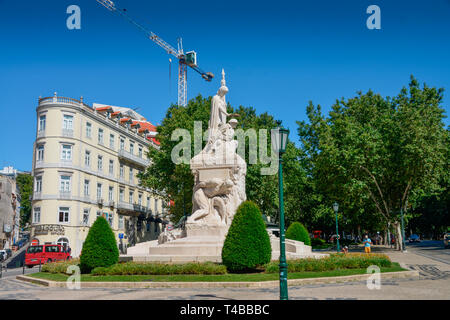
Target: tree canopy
{"x":373,"y":154}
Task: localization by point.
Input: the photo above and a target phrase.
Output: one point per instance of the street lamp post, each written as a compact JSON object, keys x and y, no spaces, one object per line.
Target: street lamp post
{"x":336,"y":208}
{"x":279,"y":144}
{"x":403,"y":229}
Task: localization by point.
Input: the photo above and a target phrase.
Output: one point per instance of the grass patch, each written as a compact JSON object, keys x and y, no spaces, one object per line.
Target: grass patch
{"x":213,"y":278}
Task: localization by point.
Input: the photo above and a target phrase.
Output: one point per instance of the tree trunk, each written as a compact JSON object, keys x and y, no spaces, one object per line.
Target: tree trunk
{"x":398,"y":231}
{"x":388,"y":240}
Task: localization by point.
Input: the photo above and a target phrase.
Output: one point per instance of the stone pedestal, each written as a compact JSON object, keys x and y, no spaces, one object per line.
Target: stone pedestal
{"x":205,"y":230}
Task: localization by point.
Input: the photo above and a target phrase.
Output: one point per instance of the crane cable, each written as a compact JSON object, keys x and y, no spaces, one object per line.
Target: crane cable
{"x":170,"y":76}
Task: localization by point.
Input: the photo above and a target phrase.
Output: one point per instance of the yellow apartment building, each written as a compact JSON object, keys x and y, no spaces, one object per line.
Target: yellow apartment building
{"x":85,"y":163}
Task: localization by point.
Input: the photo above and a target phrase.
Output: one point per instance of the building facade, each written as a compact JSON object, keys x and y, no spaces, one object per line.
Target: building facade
{"x":9,"y":208}
{"x":85,"y":164}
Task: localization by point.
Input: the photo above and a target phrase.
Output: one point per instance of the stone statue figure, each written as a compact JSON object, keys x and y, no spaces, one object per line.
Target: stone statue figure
{"x":217,"y":195}
{"x":219,"y":113}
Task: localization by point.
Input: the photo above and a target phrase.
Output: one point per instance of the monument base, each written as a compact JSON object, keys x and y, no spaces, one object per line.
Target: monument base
{"x":201,"y":243}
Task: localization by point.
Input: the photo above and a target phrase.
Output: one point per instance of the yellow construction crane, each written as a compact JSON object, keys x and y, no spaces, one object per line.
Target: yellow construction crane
{"x":184,"y":59}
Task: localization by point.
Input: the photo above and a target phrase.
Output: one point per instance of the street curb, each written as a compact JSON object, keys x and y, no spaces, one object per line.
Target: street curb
{"x":260,"y":284}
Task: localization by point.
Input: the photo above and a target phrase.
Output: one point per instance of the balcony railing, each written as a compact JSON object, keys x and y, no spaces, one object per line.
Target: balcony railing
{"x":65,"y":195}
{"x":135,"y":159}
{"x":125,"y":206}
{"x":41,"y":134}
{"x":37,"y":195}
{"x":110,"y":203}
{"x":133,"y":208}
{"x":67,"y":132}
{"x":59,"y":100}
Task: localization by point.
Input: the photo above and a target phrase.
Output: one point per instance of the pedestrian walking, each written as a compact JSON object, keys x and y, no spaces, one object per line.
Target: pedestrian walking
{"x":367,"y":243}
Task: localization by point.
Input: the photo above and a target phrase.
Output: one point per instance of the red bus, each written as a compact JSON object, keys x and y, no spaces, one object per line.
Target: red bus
{"x":41,"y":254}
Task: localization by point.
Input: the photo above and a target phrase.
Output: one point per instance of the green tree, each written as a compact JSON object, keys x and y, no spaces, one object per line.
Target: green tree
{"x":297,"y":231}
{"x":99,"y":248}
{"x":373,"y":154}
{"x":175,"y":181}
{"x":247,"y":244}
{"x":25,"y":184}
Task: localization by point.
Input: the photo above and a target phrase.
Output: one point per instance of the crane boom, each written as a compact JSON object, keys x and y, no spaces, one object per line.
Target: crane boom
{"x":178,"y":53}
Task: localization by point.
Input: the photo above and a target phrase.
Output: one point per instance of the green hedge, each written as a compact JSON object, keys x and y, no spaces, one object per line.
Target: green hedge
{"x":247,"y":244}
{"x":297,"y":231}
{"x":99,"y":248}
{"x":59,"y":266}
{"x":333,"y":262}
{"x":135,"y":268}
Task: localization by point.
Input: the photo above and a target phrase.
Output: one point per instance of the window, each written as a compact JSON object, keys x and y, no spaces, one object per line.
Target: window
{"x":67,"y":122}
{"x":131,"y":196}
{"x":110,"y":218}
{"x":148,"y":202}
{"x":111,"y":194}
{"x":66,"y":153}
{"x":87,"y":158}
{"x":34,"y":249}
{"x":40,"y":152}
{"x":131,"y":147}
{"x":156,"y":206}
{"x":100,"y":136}
{"x":121,"y":171}
{"x":121,"y":195}
{"x":52,"y":249}
{"x":111,"y":141}
{"x":122,"y":143}
{"x":38,"y":184}
{"x":131,"y":175}
{"x":99,"y":190}
{"x":42,"y":123}
{"x":140,"y":152}
{"x":85,"y":217}
{"x":140,"y":199}
{"x":88,"y":130}
{"x":63,"y":242}
{"x":63,"y":215}
{"x":120,"y":222}
{"x":111,"y":167}
{"x":100,"y":163}
{"x":37,"y":215}
{"x":99,"y":213}
{"x":86,"y":188}
{"x":64,"y":185}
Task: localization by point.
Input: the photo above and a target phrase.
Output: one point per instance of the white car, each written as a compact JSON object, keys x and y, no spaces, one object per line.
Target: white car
{"x":3,"y":255}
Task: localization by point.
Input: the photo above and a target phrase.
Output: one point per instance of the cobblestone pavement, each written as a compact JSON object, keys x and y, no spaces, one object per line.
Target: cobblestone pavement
{"x":433,"y":283}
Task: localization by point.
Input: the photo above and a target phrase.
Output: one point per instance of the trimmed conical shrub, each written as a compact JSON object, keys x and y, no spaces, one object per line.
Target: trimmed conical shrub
{"x":99,"y":248}
{"x":247,"y":244}
{"x":297,"y":231}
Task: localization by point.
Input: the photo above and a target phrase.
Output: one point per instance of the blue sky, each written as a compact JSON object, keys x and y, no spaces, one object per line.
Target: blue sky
{"x":277,"y":56}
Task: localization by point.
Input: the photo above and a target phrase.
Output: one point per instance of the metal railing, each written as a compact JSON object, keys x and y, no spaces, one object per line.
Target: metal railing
{"x":67,"y":132}
{"x":65,"y":195}
{"x":131,"y":157}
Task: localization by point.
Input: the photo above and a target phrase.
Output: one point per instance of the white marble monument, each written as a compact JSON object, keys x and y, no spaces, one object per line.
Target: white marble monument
{"x":219,"y":188}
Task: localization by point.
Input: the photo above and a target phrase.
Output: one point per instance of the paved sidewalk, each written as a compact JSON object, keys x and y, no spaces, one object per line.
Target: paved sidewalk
{"x":433,"y":283}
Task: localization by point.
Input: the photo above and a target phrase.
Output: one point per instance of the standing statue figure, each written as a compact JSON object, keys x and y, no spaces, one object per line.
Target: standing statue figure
{"x":219,"y":172}
{"x":218,"y":110}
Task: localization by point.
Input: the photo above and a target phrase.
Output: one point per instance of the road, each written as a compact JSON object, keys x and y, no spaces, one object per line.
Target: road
{"x":429,"y":258}
{"x":431,"y":249}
